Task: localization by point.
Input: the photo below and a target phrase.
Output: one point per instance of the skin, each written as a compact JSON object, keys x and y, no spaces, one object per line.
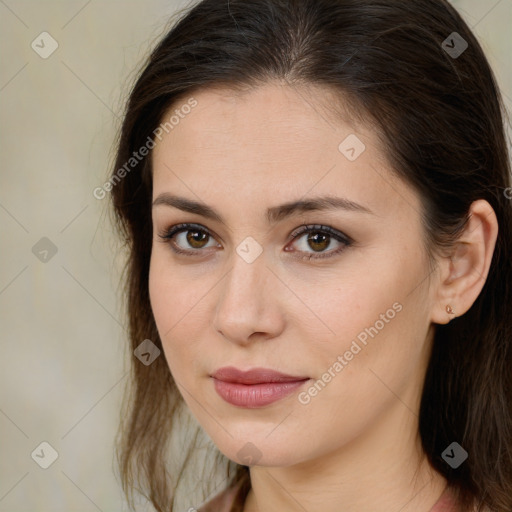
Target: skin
{"x":356,"y":443}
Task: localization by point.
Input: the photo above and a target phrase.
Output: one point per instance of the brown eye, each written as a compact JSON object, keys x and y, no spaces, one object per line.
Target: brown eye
{"x":196,"y":238}
{"x":190,"y":239}
{"x":319,"y":238}
{"x":318,"y":241}
{"x":187,"y":239}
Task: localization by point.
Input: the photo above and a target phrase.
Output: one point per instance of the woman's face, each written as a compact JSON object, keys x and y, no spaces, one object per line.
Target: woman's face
{"x":347,"y":313}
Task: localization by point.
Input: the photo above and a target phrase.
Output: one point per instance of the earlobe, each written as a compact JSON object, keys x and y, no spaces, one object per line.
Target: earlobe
{"x":467,"y":267}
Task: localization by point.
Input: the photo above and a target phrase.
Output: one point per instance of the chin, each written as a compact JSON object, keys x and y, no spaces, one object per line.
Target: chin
{"x":253,"y":451}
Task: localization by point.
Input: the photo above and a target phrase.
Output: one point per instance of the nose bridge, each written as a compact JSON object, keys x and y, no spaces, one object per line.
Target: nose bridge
{"x":246,"y":304}
{"x":245,"y":283}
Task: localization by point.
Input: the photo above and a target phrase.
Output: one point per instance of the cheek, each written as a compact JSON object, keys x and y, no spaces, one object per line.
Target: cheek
{"x":176,"y":301}
{"x":173,"y":293}
{"x":345,"y":303}
{"x":163,"y":303}
{"x":182,"y":302}
{"x":362,"y":328}
{"x":372,"y":320}
{"x":360,"y":372}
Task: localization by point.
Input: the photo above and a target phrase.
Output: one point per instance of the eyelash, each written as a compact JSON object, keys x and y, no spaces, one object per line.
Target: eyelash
{"x":168,"y":235}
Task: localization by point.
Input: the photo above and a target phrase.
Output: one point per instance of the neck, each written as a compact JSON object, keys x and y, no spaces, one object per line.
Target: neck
{"x":382,"y":469}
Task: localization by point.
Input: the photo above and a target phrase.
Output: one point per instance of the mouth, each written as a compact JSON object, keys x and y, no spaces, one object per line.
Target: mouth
{"x":254,"y":388}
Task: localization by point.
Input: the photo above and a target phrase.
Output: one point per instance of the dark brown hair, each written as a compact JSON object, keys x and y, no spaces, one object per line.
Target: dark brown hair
{"x":440,"y":118}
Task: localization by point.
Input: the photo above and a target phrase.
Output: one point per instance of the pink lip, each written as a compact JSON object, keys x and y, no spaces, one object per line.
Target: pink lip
{"x":254,"y":388}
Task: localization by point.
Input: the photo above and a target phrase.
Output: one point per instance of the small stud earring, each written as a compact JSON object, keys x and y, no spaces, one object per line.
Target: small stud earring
{"x":450,"y":310}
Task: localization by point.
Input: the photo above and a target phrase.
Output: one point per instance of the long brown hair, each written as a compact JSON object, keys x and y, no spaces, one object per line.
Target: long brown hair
{"x":436,"y":106}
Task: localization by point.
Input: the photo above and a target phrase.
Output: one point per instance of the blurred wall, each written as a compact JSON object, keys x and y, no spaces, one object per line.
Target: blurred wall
{"x":63,"y":360}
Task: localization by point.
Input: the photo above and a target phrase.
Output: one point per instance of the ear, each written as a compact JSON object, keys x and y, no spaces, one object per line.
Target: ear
{"x":464,"y":271}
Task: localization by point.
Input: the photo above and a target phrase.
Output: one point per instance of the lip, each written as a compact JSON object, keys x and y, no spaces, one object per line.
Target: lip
{"x":256,"y":387}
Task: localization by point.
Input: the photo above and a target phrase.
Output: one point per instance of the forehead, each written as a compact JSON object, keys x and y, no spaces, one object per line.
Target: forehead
{"x":277,"y":113}
{"x":263,"y":127}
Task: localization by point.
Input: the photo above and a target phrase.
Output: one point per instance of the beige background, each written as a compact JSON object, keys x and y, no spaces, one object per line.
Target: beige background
{"x":63,"y":359}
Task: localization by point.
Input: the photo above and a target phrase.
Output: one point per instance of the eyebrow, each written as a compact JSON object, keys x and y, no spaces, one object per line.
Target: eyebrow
{"x":274,"y":214}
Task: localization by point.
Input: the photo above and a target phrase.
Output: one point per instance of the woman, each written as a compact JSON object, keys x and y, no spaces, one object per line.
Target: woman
{"x":315,"y":195}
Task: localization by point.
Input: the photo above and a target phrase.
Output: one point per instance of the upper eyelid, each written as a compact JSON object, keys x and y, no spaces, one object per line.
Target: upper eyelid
{"x":305,"y":228}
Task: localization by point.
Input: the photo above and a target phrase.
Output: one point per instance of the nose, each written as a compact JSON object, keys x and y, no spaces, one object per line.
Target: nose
{"x":249,"y":306}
